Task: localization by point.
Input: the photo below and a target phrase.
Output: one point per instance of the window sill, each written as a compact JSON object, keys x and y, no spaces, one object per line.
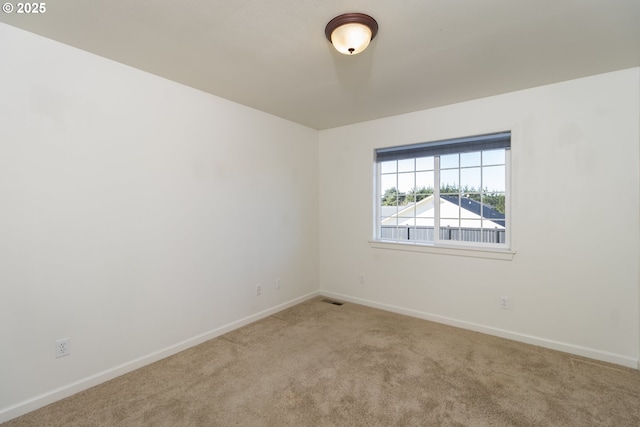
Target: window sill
{"x":504,"y":255}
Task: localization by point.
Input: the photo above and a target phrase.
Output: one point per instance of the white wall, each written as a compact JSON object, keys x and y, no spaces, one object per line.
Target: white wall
{"x":137,"y":216}
{"x":575,"y":161}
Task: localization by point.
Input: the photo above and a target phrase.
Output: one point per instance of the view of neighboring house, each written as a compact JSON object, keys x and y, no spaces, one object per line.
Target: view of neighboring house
{"x":454,"y":211}
{"x":461,"y":219}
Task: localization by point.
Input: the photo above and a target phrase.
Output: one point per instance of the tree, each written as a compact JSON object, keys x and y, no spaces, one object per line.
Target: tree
{"x":449,"y":189}
{"x":391,"y":197}
{"x":419,"y":193}
{"x":495,"y":200}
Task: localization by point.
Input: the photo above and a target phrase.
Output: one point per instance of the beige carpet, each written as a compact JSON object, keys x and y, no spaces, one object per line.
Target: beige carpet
{"x":318,"y":364}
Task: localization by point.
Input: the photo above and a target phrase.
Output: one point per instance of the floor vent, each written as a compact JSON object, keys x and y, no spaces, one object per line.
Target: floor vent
{"x":330,"y":301}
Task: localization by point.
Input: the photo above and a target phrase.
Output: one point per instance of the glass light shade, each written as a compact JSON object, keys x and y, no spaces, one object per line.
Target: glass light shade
{"x":351,"y":38}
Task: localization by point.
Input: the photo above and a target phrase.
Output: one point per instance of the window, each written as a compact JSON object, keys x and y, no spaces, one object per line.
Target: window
{"x":452,"y":192}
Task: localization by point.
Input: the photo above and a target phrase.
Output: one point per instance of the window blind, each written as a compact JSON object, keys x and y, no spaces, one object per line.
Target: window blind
{"x":492,"y":141}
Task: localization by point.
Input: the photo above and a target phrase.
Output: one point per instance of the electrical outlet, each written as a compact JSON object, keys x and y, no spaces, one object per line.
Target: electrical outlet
{"x":258,"y":289}
{"x":362,"y":279}
{"x":63,"y":347}
{"x":504,"y":302}
{"x":278,"y":284}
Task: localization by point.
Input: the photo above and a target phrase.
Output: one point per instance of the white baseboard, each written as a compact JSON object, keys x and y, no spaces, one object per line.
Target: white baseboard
{"x":32,"y":404}
{"x":515,"y":336}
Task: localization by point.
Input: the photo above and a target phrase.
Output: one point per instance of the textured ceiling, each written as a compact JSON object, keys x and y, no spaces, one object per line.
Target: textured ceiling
{"x":273,"y":55}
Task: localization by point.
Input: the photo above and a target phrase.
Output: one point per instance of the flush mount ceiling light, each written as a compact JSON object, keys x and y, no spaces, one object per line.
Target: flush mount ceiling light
{"x":351,"y":33}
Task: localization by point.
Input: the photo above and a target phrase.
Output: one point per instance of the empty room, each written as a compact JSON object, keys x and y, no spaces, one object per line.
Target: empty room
{"x":320,"y":213}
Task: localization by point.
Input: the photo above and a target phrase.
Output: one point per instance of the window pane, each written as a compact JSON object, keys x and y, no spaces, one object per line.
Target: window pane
{"x":449,"y":161}
{"x":470,"y":180}
{"x":406,"y":221}
{"x":449,"y":181}
{"x":422,"y":234}
{"x":389,"y":232}
{"x":470,"y":223}
{"x":495,"y":202}
{"x":419,"y":194}
{"x":388,"y":215}
{"x":406,"y":214}
{"x":470,"y":231}
{"x":493,"y":178}
{"x":424,"y":163}
{"x":424,"y":180}
{"x":406,"y":165}
{"x":469,"y":207}
{"x":425,"y":217}
{"x":493,"y":157}
{"x":450,"y":206}
{"x":449,"y":223}
{"x":470,"y":159}
{"x":401,"y":233}
{"x":387,"y":183}
{"x":406,"y":182}
{"x":391,"y":198}
{"x":389,"y":167}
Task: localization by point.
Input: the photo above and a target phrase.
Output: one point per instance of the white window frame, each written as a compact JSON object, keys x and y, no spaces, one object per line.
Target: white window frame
{"x":454,"y":247}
